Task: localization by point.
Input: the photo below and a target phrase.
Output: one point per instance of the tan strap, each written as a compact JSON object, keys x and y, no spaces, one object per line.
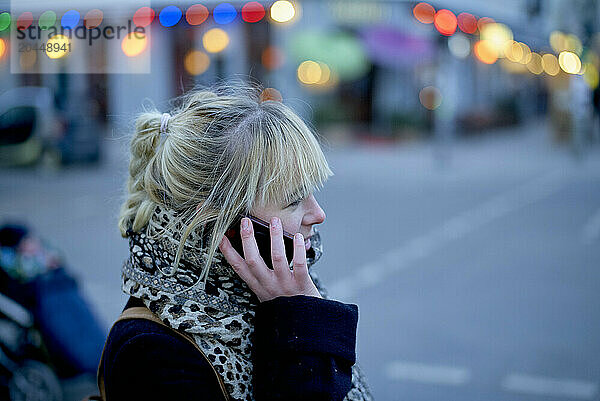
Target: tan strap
{"x":141,"y":312}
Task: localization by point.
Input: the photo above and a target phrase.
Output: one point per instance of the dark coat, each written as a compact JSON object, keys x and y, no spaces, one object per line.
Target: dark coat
{"x":304,"y":349}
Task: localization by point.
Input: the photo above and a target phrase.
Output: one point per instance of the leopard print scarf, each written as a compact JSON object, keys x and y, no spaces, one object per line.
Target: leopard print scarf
{"x":218,"y":313}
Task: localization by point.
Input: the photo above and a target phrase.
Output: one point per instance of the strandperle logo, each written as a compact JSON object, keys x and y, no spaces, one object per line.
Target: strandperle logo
{"x":35,"y":32}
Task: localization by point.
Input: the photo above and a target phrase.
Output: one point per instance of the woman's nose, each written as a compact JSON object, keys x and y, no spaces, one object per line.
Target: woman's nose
{"x":316,"y":214}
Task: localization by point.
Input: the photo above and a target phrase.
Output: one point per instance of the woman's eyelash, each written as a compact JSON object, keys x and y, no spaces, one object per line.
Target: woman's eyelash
{"x":294,"y":203}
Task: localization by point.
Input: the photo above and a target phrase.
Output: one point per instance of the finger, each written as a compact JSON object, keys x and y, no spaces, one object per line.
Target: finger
{"x":252,"y":256}
{"x":278,"y":256}
{"x":299,"y":260}
{"x":236,"y":261}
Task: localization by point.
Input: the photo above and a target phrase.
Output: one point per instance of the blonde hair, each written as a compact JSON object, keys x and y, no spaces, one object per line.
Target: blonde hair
{"x":225,"y":150}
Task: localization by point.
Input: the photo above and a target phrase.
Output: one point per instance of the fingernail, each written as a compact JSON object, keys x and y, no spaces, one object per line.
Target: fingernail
{"x":274,"y":222}
{"x":298,"y":237}
{"x":245,"y":224}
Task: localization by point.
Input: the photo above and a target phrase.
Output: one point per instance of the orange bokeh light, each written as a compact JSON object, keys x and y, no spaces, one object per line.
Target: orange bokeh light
{"x":445,"y":22}
{"x":467,"y":23}
{"x":424,"y":13}
{"x":485,"y":52}
{"x":272,"y":58}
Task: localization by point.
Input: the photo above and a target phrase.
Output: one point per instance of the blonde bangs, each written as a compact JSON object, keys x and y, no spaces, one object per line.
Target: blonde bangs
{"x":293,"y":164}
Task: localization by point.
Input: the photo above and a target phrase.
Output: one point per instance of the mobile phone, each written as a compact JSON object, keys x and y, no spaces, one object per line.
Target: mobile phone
{"x":262,"y":234}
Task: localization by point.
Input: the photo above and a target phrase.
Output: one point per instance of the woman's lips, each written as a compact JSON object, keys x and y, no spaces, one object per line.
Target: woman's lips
{"x":307,"y":244}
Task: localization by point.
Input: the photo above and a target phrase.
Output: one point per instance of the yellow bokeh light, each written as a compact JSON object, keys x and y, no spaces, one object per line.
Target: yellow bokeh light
{"x":196,"y":62}
{"x":325,"y":74}
{"x":57,"y":46}
{"x":569,"y":62}
{"x":134,"y":44}
{"x":573,"y":44}
{"x":497,"y":35}
{"x":558,"y":41}
{"x":309,"y":72}
{"x":550,"y":64}
{"x":215,"y":40}
{"x":282,"y":11}
{"x":513,"y":51}
{"x":535,"y":64}
{"x":591,"y":75}
{"x":526,"y":53}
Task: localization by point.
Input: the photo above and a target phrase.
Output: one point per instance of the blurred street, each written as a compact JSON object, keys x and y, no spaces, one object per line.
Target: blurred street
{"x":472,"y":264}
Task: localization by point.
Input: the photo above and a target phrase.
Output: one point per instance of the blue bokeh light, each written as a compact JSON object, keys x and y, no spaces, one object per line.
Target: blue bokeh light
{"x":224,"y":13}
{"x":70,"y":19}
{"x":169,"y":16}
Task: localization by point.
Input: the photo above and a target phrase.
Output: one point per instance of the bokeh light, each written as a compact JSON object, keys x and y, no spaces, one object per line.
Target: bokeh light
{"x":224,"y":13}
{"x":535,"y":64}
{"x":445,"y":22}
{"x":573,"y":44}
{"x":2,"y":48}
{"x":215,"y":40}
{"x":47,"y":19}
{"x":272,"y":58}
{"x":550,"y":64}
{"x":169,"y":16}
{"x":485,"y":51}
{"x":513,"y":51}
{"x":282,"y":11}
{"x":253,"y":12}
{"x":27,"y":60}
{"x":70,"y":19}
{"x":24,"y":20}
{"x":430,"y":97}
{"x":557,"y":41}
{"x":483,"y":21}
{"x":467,"y":23}
{"x":196,"y":62}
{"x":424,"y":13}
{"x":4,"y":21}
{"x":569,"y":62}
{"x":309,"y":72}
{"x":459,"y":45}
{"x":591,"y":75}
{"x":196,"y":14}
{"x":93,"y":18}
{"x":134,"y":44}
{"x":143,"y":16}
{"x":57,"y":46}
{"x":526,"y":53}
{"x":498,"y":35}
{"x":271,"y":94}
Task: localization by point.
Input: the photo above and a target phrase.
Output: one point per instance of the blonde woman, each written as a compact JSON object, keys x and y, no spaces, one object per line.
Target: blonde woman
{"x":225,"y":324}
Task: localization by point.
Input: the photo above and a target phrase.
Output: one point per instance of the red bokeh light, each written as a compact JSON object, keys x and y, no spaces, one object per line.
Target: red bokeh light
{"x":24,"y":21}
{"x":253,"y":12}
{"x":424,"y":13}
{"x":196,"y":14}
{"x":445,"y":22}
{"x":143,"y":16}
{"x":467,"y":23}
{"x":483,"y":21}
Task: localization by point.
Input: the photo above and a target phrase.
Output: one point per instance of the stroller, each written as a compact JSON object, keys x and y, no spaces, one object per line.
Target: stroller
{"x":47,"y":330}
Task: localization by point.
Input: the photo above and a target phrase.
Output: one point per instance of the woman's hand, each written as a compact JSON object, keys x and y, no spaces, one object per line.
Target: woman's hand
{"x":264,"y":282}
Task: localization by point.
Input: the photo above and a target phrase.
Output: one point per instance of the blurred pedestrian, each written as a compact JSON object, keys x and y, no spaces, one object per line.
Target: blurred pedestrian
{"x":223,"y":324}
